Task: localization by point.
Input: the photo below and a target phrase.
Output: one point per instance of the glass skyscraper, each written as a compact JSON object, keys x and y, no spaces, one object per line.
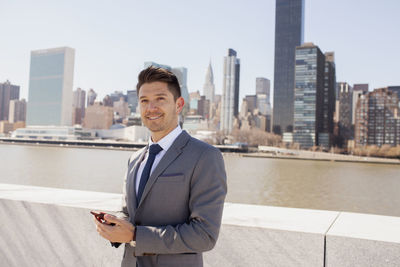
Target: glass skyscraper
{"x":230,"y":94}
{"x":308,"y":95}
{"x":50,"y":87}
{"x":289,"y":24}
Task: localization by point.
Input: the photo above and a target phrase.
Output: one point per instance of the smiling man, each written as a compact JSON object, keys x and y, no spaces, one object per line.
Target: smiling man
{"x":174,"y":188}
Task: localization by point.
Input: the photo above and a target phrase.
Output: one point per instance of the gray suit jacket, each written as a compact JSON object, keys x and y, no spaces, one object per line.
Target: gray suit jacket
{"x":179,"y":215}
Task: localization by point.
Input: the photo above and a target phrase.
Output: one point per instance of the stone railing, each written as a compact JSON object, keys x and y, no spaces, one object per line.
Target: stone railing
{"x":52,"y":227}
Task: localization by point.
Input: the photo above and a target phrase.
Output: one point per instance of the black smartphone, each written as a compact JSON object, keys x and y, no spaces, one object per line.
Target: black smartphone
{"x":100,"y":217}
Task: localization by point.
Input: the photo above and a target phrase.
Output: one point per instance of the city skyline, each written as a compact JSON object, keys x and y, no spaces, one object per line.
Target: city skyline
{"x":110,"y":53}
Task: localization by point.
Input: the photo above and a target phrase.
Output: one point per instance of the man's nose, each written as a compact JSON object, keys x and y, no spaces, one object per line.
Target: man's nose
{"x":152,"y":105}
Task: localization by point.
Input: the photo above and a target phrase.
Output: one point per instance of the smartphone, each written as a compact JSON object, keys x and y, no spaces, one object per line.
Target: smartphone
{"x":100,"y":217}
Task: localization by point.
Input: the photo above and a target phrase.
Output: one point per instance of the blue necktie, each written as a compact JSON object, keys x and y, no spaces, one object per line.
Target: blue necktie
{"x":153,"y":151}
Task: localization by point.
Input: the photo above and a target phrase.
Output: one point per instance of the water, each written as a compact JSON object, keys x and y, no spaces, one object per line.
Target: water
{"x":341,"y":186}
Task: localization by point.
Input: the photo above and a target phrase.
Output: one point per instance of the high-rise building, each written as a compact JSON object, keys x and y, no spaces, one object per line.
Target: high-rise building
{"x":78,"y":105}
{"x":230,"y":94}
{"x":50,"y":87}
{"x":377,"y":118}
{"x":17,"y":111}
{"x":91,"y":97}
{"x":309,"y":92}
{"x":289,"y":25}
{"x":251,"y":103}
{"x":8,"y":92}
{"x":263,"y":105}
{"x":117,"y":95}
{"x":263,"y":86}
{"x":132,"y":100}
{"x":209,"y":87}
{"x":358,"y":90}
{"x":345,"y":111}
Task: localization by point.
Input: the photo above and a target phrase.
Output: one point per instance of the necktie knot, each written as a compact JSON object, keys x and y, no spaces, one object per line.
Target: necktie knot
{"x":155,"y":149}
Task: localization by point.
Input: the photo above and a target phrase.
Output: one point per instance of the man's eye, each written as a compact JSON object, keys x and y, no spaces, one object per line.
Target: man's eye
{"x":143,"y":101}
{"x":160,"y":98}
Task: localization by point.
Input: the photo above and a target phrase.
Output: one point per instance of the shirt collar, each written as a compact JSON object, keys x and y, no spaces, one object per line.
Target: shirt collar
{"x":167,"y":140}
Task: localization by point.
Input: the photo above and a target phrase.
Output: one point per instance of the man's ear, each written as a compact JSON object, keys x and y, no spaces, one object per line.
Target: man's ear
{"x":180,"y":102}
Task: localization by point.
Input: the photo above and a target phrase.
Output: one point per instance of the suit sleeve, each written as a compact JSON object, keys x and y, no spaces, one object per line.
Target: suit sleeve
{"x":207,"y":195}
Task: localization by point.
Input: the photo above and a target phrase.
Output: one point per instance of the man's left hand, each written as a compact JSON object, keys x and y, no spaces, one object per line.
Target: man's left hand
{"x":121,"y":232}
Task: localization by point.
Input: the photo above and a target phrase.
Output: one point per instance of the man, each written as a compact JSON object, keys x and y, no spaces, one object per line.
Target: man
{"x":174,"y":188}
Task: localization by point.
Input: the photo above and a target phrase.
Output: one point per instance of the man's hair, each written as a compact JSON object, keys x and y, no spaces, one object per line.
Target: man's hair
{"x":155,"y":74}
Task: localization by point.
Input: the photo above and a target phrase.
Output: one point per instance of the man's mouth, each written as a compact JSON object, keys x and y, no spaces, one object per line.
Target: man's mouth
{"x":153,"y":117}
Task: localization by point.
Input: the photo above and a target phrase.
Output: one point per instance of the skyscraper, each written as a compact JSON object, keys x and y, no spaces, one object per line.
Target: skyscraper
{"x":309,"y":91}
{"x":345,"y":111}
{"x":209,"y":87}
{"x":289,"y":25}
{"x":50,"y":87}
{"x":230,"y":94}
{"x":8,"y":92}
{"x":91,"y":97}
{"x":263,"y":86}
{"x":17,"y":111}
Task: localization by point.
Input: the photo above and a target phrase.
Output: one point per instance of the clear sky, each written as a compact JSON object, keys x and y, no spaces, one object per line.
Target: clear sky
{"x":112,"y":39}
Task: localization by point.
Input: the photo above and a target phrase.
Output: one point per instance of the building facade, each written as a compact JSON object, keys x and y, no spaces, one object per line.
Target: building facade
{"x":17,"y":111}
{"x":309,"y":94}
{"x":230,"y":94}
{"x":8,"y":92}
{"x":50,"y":87}
{"x":377,"y":118}
{"x":98,"y":116}
{"x":289,"y":29}
{"x":345,"y":112}
{"x":209,"y":87}
{"x":91,"y":97}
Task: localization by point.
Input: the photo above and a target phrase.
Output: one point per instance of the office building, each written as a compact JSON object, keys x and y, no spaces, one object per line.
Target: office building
{"x":50,"y":87}
{"x":289,"y":25}
{"x":263,"y":86}
{"x":395,"y":89}
{"x":309,"y":89}
{"x":91,"y":97}
{"x":377,"y":118}
{"x":251,"y":103}
{"x":8,"y":92}
{"x":209,"y":87}
{"x":78,"y":105}
{"x":358,"y":90}
{"x":132,"y":100}
{"x":345,"y":112}
{"x":17,"y":111}
{"x":230,"y":94}
{"x":98,"y":116}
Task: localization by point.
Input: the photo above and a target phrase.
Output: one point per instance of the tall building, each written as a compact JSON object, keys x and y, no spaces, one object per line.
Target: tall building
{"x":8,"y":92}
{"x":309,"y":92}
{"x":50,"y":87}
{"x":17,"y":111}
{"x":78,"y":105}
{"x":327,"y":102}
{"x":91,"y":97}
{"x":377,"y":118}
{"x":358,"y":90}
{"x":263,"y":86}
{"x":251,"y":103}
{"x":289,"y":25}
{"x":209,"y":87}
{"x":230,"y":94}
{"x":345,"y":111}
{"x":132,"y":100}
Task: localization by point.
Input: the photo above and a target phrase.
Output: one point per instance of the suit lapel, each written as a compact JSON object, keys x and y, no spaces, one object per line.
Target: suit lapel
{"x":173,"y":152}
{"x":131,"y":183}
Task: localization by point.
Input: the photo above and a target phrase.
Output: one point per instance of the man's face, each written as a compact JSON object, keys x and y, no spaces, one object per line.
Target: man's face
{"x":158,"y":109}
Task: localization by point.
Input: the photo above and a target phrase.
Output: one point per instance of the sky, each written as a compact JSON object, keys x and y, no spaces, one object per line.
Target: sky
{"x":112,"y":39}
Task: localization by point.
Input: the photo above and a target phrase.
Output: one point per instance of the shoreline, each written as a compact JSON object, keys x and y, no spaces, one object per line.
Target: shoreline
{"x":129,"y":146}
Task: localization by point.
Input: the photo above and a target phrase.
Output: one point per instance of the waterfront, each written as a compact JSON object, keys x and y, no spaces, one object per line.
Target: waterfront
{"x":341,"y":186}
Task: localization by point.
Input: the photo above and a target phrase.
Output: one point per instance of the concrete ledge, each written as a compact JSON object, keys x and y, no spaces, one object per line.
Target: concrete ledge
{"x":363,"y":240}
{"x":53,"y":227}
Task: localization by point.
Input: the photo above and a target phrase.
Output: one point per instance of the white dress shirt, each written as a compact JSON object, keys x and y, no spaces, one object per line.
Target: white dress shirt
{"x":165,"y":143}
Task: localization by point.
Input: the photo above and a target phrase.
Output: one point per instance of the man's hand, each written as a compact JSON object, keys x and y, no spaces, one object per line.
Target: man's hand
{"x":121,"y":232}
